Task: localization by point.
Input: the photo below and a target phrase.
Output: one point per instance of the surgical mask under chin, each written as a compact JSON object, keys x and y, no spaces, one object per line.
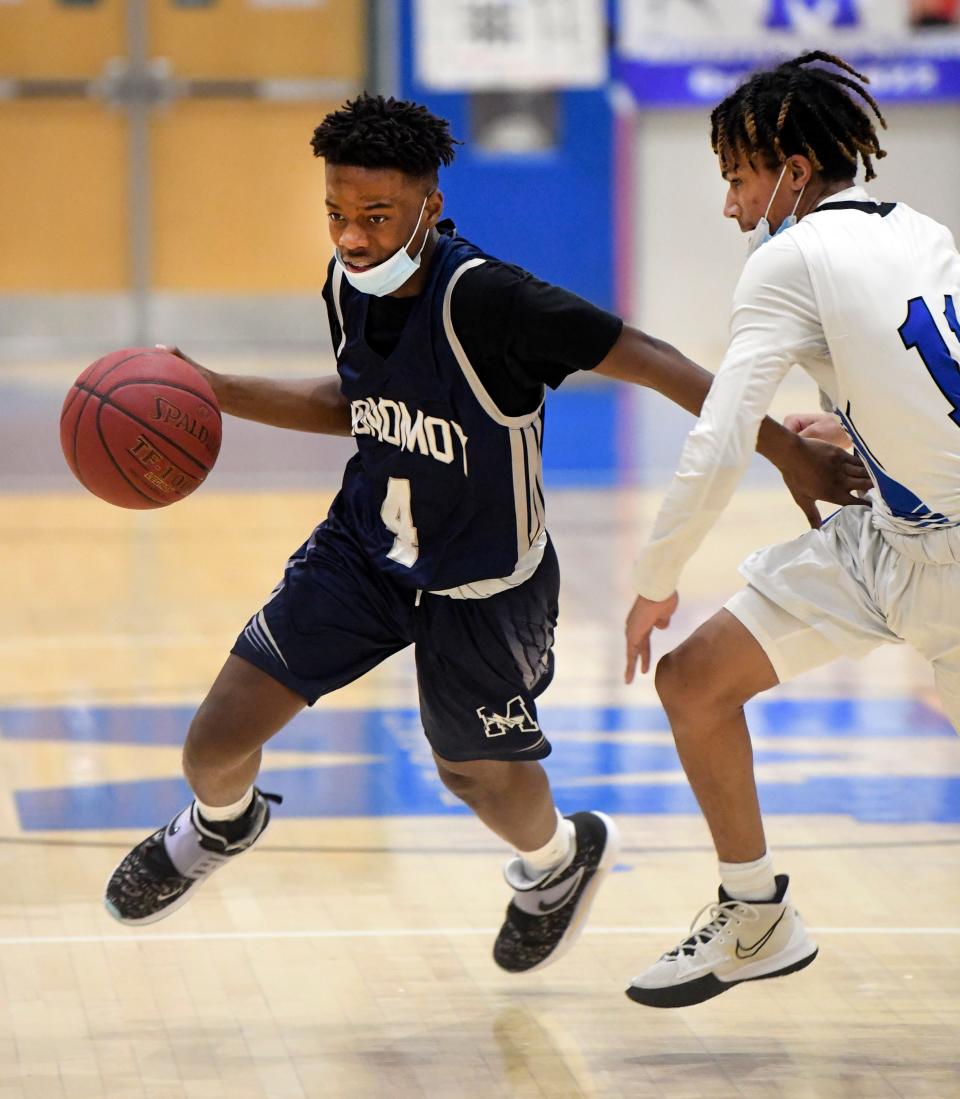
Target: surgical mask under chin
{"x":393,"y":272}
{"x":760,"y":234}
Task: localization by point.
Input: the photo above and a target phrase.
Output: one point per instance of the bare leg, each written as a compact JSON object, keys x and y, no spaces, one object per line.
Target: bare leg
{"x":703,"y":685}
{"x":512,"y":799}
{"x":244,"y":708}
{"x":221,"y":757}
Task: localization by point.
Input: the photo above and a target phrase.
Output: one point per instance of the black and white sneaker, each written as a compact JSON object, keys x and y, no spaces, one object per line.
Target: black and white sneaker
{"x":742,"y":941}
{"x":160,"y":874}
{"x":547,"y":914}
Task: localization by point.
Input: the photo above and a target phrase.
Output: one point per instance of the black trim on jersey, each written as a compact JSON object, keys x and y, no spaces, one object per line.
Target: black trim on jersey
{"x":881,"y":208}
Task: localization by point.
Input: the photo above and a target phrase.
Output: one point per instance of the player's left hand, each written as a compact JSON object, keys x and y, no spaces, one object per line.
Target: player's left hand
{"x":818,"y":425}
{"x":821,"y":471}
{"x":645,"y":614}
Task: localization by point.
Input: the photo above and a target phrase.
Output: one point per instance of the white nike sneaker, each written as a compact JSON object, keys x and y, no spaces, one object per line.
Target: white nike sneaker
{"x":743,"y":941}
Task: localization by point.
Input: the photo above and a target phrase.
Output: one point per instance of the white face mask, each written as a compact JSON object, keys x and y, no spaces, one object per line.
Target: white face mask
{"x":393,"y":272}
{"x":760,"y":234}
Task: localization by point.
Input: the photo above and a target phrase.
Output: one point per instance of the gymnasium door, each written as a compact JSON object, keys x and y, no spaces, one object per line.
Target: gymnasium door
{"x":157,"y":175}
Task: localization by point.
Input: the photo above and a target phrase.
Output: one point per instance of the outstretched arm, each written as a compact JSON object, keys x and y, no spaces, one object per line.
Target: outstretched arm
{"x":812,"y":470}
{"x":645,"y":360}
{"x":301,"y":404}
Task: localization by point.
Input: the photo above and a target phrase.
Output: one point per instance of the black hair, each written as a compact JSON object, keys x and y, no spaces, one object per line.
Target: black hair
{"x":801,"y":107}
{"x":373,"y":132}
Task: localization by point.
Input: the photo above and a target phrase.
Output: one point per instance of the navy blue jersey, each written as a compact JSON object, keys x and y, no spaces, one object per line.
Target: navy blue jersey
{"x":444,"y":489}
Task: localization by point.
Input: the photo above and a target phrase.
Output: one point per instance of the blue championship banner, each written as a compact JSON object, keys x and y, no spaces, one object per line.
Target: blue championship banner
{"x":677,"y":53}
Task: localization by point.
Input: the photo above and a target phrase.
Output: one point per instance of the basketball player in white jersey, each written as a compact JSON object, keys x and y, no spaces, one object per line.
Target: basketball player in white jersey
{"x":865,"y":296}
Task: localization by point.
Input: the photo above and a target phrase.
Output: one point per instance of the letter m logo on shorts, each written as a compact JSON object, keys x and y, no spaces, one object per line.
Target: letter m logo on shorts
{"x":517,"y":717}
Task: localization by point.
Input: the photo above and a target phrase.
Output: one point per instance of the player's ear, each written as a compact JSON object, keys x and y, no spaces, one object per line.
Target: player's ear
{"x":434,"y":209}
{"x":799,"y":171}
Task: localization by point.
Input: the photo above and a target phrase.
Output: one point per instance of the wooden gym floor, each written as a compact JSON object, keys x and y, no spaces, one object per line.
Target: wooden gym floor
{"x":349,"y":954}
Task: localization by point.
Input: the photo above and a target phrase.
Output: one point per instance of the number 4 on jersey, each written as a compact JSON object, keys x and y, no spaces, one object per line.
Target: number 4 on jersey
{"x":920,"y":330}
{"x":397,"y":516}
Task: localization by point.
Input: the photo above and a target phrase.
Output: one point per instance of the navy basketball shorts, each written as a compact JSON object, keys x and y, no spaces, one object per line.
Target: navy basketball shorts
{"x":481,"y":663}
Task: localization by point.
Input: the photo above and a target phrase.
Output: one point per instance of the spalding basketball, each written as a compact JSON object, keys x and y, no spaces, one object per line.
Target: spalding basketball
{"x":140,"y":428}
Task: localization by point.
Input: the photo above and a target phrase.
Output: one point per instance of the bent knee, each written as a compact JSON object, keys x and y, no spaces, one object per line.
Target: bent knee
{"x":475,"y":780}
{"x":670,"y":678}
{"x":694,"y":675}
{"x":210,"y":747}
{"x":455,"y":782}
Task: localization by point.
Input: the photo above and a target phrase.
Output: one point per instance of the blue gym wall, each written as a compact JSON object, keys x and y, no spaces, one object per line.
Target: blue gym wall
{"x":551,"y":213}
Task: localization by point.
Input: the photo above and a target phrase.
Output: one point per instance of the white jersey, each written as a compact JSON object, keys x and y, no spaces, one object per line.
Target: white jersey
{"x":866,"y":297}
{"x":887,"y":287}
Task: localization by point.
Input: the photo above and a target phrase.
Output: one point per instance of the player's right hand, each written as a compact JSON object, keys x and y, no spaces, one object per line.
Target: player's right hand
{"x":645,"y":615}
{"x":208,"y":375}
{"x":821,"y":471}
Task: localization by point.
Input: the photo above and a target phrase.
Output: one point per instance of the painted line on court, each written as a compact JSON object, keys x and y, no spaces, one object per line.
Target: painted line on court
{"x":397,"y":933}
{"x":358,"y":849}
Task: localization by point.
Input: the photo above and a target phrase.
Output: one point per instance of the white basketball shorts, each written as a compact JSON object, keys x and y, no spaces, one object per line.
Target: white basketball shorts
{"x":849,"y":587}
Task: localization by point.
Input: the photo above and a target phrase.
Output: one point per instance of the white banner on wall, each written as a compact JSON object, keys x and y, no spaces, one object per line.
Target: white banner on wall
{"x":668,"y":27}
{"x":487,"y":45}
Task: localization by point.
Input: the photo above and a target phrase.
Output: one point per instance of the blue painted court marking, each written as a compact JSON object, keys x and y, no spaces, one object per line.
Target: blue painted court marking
{"x":596,"y":762}
{"x":328,"y":729}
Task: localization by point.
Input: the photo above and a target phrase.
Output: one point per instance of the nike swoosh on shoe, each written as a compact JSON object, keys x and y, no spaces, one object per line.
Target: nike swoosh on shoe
{"x":546,"y":907}
{"x":750,"y":951}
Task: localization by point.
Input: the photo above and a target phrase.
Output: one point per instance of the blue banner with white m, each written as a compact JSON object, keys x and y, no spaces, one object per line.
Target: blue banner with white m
{"x":684,"y":53}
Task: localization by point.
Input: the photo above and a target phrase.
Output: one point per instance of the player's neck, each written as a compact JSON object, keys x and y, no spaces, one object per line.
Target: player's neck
{"x":418,"y":280}
{"x":821,"y":192}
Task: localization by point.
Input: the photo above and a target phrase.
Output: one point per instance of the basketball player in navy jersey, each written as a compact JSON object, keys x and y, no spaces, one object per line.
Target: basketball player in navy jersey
{"x":437,"y":537}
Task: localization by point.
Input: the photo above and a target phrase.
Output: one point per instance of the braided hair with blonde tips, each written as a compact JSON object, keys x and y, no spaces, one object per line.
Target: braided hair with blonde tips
{"x":802,"y":106}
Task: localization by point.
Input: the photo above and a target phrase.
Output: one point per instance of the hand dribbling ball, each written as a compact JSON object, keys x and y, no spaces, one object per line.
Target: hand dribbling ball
{"x":140,"y":428}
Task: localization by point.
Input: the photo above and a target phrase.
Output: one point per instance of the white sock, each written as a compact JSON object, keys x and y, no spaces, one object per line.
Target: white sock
{"x":213,"y":813}
{"x":749,"y":881}
{"x":555,"y":851}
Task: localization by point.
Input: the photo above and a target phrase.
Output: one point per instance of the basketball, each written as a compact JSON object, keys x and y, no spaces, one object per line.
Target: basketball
{"x":140,"y":428}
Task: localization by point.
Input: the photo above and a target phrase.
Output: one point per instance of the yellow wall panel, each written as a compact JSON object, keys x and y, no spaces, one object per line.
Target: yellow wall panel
{"x":254,"y":38}
{"x":238,"y":197}
{"x":63,"y":218}
{"x":44,"y":38}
